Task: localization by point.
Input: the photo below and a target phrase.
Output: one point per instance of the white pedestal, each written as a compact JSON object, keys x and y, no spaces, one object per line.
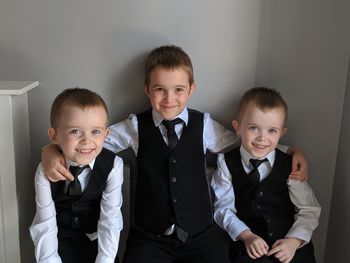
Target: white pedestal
{"x":14,"y":160}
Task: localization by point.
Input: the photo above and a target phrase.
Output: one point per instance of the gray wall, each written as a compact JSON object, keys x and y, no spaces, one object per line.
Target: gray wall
{"x":338,"y":238}
{"x":298,"y":47}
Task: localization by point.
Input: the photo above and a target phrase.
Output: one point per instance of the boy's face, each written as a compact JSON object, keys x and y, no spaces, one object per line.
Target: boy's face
{"x":260,"y":130}
{"x":80,"y":133}
{"x":169,"y":91}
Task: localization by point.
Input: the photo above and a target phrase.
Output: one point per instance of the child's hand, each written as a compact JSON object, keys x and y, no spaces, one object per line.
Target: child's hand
{"x":284,"y":249}
{"x":255,"y":246}
{"x":299,"y":164}
{"x":54,"y":164}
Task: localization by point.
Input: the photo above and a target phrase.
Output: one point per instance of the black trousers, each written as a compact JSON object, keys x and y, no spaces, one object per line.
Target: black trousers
{"x":77,"y":249}
{"x":209,"y":246}
{"x":238,"y":254}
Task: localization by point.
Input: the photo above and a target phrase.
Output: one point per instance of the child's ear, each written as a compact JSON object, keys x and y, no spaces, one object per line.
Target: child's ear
{"x":52,"y":134}
{"x":107,"y":132}
{"x":284,"y":131}
{"x":235,"y":125}
{"x":146,"y":89}
{"x":192,"y":88}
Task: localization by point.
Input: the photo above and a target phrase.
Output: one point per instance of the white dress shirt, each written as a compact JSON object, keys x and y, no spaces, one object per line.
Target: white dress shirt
{"x":44,"y":227}
{"x":307,"y":208}
{"x":124,"y":134}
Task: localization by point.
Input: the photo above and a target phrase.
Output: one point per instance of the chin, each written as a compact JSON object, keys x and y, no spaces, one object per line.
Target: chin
{"x":85,"y":161}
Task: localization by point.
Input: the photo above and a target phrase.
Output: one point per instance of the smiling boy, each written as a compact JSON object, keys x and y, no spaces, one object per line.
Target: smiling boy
{"x":79,"y":221}
{"x":268,"y":216}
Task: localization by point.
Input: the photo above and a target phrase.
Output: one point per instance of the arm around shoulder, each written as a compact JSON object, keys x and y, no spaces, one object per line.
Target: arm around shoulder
{"x":53,"y":164}
{"x":216,"y":137}
{"x":123,"y":135}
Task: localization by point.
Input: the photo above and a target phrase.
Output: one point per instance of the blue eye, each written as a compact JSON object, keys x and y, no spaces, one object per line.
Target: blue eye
{"x":253,"y":128}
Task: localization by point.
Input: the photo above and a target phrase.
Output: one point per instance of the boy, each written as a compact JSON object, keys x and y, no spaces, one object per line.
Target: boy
{"x":72,"y":217}
{"x":173,"y":212}
{"x":268,"y":216}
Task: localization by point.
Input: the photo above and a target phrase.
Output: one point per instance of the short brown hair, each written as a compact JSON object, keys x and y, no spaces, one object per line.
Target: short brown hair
{"x":168,"y":57}
{"x":264,"y":98}
{"x":82,"y":98}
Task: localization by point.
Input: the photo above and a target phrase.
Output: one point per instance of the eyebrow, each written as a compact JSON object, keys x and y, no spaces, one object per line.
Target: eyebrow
{"x":271,"y":127}
{"x":178,"y":86}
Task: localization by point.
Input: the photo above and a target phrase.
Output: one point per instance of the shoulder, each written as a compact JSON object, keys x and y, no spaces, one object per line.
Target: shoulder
{"x":40,"y":177}
{"x":282,"y":156}
{"x":145,"y":112}
{"x":233,"y":153}
{"x":193,"y":111}
{"x":115,"y":176}
{"x":132,"y":118}
{"x":118,"y":162}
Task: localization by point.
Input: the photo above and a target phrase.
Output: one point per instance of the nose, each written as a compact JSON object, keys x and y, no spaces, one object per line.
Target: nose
{"x":84,"y":137}
{"x":261,"y":135}
{"x":169,"y":96}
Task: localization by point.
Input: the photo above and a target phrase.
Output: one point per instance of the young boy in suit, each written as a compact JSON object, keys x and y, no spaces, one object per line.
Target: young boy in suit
{"x":79,"y":221}
{"x":269,"y":218}
{"x":173,"y":213}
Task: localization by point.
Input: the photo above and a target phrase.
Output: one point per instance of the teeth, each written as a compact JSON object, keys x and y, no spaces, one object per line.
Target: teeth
{"x":259,"y":146}
{"x":84,"y":150}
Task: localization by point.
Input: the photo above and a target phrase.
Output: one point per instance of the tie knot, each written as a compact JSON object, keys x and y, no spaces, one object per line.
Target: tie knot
{"x":256,"y":162}
{"x":171,"y":124}
{"x":76,"y":170}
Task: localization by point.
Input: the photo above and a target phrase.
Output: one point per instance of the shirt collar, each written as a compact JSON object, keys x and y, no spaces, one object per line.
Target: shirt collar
{"x":246,"y":156}
{"x":70,"y":162}
{"x":157,"y":119}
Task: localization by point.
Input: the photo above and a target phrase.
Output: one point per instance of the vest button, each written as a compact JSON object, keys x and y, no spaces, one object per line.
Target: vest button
{"x":173,"y":179}
{"x":173,"y":160}
{"x":268,"y":220}
{"x":76,"y":220}
{"x":259,"y":207}
{"x":270,"y":234}
{"x":174,"y":200}
{"x":260,"y":194}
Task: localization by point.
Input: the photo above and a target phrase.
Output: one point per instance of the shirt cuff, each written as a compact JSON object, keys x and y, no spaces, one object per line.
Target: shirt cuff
{"x":236,"y":229}
{"x":301,"y":234}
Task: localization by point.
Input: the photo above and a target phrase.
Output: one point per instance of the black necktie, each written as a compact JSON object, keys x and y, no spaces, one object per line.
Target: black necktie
{"x":171,"y":134}
{"x":181,"y":234}
{"x":254,"y":174}
{"x":74,"y":187}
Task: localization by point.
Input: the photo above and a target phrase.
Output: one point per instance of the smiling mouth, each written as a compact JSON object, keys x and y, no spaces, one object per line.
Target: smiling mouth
{"x":169,"y":107}
{"x":261,"y":147}
{"x":84,"y":151}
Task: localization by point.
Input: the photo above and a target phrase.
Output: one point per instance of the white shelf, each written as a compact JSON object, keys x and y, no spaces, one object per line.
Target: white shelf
{"x":16,"y":87}
{"x":14,"y":165}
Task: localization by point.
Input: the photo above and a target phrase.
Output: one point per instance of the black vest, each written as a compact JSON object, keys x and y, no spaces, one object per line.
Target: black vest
{"x":81,"y":214}
{"x":171,"y":186}
{"x":265,"y":208}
